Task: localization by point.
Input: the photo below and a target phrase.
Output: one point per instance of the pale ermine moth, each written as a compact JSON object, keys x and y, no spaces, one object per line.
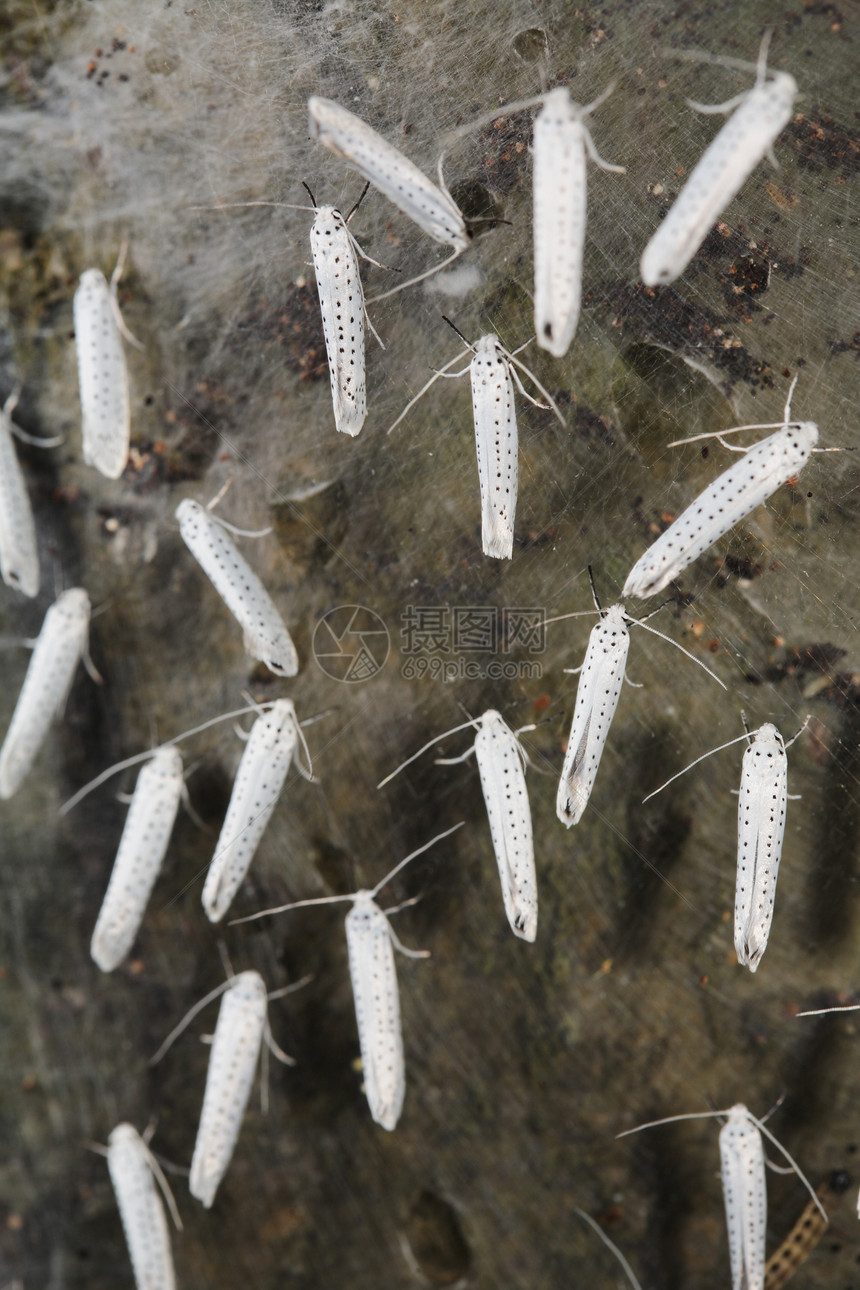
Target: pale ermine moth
{"x":266,"y":637}
{"x":432,"y":208}
{"x":724,"y":166}
{"x":102,"y":371}
{"x":560,"y":145}
{"x":347,"y":136}
{"x":600,"y":678}
{"x":745,"y":1197}
{"x":59,"y":647}
{"x":142,"y":848}
{"x":242,"y":1027}
{"x":370,"y":939}
{"x":335,"y":254}
{"x":496,"y":444}
{"x":19,"y":556}
{"x":764,"y":468}
{"x":492,"y":373}
{"x":133,"y":1172}
{"x":561,"y":141}
{"x":597,"y":695}
{"x":369,"y":943}
{"x":761,"y":826}
{"x":500,"y":761}
{"x":744,"y":1188}
{"x":274,"y":741}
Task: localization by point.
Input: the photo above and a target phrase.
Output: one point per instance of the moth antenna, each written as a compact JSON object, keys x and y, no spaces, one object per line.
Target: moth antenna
{"x":187,"y":1019}
{"x":356,"y":205}
{"x":455,"y":328}
{"x":691,"y":765}
{"x":414,"y":855}
{"x":429,"y":744}
{"x":611,"y":1244}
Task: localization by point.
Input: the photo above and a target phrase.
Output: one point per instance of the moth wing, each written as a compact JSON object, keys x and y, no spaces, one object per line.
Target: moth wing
{"x":597,"y":698}
{"x":232,"y":1063}
{"x":102,"y":376}
{"x":342,"y":308}
{"x":745,"y":1197}
{"x":377,"y":1011}
{"x":497,"y":447}
{"x":559,"y":187}
{"x":503,"y":783}
{"x":139,"y":857}
{"x":259,"y":781}
{"x":19,"y":557}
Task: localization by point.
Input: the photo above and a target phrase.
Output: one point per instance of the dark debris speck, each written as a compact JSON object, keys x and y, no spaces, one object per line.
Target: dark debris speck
{"x":663,"y":317}
{"x":822,"y":144}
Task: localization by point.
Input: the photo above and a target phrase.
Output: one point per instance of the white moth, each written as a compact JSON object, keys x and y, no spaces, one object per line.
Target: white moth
{"x":432,"y":208}
{"x":763,"y":469}
{"x":232,"y":1063}
{"x":335,"y":256}
{"x":725,"y":165}
{"x":370,"y":939}
{"x":492,"y":373}
{"x":561,"y":140}
{"x":745,"y":1197}
{"x":761,"y":827}
{"x":369,"y":943}
{"x":600,"y":680}
{"x":19,"y":557}
{"x":346,"y":135}
{"x":102,"y":372}
{"x":597,"y":697}
{"x":272,"y":744}
{"x":266,"y":637}
{"x":142,"y":847}
{"x":133,"y":1172}
{"x":744,"y":1189}
{"x":58,"y":649}
{"x":241,"y":1029}
{"x":500,"y":759}
{"x":560,"y":145}
{"x":497,"y":445}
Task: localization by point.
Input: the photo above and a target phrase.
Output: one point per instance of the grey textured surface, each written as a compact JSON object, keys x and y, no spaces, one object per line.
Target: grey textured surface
{"x":118,"y":121}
